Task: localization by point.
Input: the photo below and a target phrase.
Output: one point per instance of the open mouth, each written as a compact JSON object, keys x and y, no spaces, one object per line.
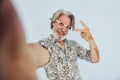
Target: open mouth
{"x":61,"y":32}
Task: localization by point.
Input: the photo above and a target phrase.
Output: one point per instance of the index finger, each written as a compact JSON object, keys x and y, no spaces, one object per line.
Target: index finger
{"x":77,"y":29}
{"x":83,"y":24}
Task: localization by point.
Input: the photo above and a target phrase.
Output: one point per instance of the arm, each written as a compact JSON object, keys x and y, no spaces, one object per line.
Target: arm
{"x":18,"y":60}
{"x":41,"y":54}
{"x":94,"y":52}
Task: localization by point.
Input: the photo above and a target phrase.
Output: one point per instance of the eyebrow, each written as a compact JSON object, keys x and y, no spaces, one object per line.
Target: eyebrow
{"x":63,"y":22}
{"x":68,"y":26}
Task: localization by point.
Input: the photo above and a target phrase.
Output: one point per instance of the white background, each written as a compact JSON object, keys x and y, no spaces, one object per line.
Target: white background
{"x":103,"y":19}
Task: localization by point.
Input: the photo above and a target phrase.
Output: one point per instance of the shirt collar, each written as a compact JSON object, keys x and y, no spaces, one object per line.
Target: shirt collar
{"x":53,"y":39}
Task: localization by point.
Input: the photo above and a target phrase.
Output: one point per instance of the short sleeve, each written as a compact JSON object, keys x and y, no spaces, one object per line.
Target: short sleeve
{"x":44,"y":42}
{"x":83,"y":53}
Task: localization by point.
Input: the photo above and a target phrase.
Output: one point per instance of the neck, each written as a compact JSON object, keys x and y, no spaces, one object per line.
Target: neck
{"x":61,"y":43}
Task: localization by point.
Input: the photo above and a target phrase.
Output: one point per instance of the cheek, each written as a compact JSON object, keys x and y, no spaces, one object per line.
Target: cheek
{"x":65,"y":30}
{"x":54,"y":26}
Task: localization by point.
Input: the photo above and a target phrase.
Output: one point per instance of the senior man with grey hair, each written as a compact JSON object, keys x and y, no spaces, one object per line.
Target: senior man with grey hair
{"x":62,"y":64}
{"x":58,"y":55}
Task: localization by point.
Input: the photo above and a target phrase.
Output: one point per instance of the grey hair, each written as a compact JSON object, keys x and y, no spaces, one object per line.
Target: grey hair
{"x":60,"y":12}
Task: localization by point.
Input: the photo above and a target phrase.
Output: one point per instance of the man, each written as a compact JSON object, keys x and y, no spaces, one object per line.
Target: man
{"x":63,"y":52}
{"x":18,"y":60}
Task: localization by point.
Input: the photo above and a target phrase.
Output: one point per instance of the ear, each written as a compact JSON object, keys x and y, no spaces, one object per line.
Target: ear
{"x":53,"y":24}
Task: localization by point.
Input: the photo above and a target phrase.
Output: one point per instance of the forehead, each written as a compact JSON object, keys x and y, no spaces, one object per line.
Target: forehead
{"x":65,"y":19}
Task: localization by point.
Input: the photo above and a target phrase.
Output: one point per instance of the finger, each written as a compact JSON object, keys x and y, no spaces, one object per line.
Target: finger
{"x":83,"y":24}
{"x":77,"y":29}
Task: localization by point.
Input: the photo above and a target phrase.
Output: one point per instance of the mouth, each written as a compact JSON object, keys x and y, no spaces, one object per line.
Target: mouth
{"x":61,"y":32}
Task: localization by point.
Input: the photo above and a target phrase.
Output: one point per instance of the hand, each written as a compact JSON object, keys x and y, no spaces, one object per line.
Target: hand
{"x":85,"y":32}
{"x":15,"y":64}
{"x":18,"y":60}
{"x":11,"y":32}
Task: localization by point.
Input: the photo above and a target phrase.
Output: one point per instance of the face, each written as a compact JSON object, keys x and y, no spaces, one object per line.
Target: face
{"x":61,"y":27}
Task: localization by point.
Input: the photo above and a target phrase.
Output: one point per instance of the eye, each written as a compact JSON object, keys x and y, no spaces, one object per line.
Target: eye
{"x":68,"y":27}
{"x":61,"y":24}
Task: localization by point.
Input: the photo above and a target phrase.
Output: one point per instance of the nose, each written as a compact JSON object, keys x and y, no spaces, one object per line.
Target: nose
{"x":65,"y":30}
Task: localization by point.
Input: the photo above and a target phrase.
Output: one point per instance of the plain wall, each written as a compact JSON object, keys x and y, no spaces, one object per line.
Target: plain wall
{"x":101,"y":16}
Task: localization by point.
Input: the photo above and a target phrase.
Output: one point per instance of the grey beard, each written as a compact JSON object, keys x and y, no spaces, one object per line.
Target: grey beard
{"x":59,"y":38}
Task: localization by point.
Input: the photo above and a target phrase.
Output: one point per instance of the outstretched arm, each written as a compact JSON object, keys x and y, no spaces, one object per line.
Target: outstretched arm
{"x":85,"y":34}
{"x":10,"y":26}
{"x":18,"y":60}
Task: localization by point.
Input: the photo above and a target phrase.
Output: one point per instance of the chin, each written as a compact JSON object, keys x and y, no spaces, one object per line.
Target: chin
{"x":58,"y":36}
{"x":61,"y":38}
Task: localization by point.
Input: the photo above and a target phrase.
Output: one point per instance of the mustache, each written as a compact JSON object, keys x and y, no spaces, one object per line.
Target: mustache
{"x":62,"y":32}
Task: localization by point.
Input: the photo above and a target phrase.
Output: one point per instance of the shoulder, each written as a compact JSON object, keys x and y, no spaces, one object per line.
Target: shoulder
{"x":46,"y":42}
{"x":38,"y":54}
{"x":72,"y":42}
